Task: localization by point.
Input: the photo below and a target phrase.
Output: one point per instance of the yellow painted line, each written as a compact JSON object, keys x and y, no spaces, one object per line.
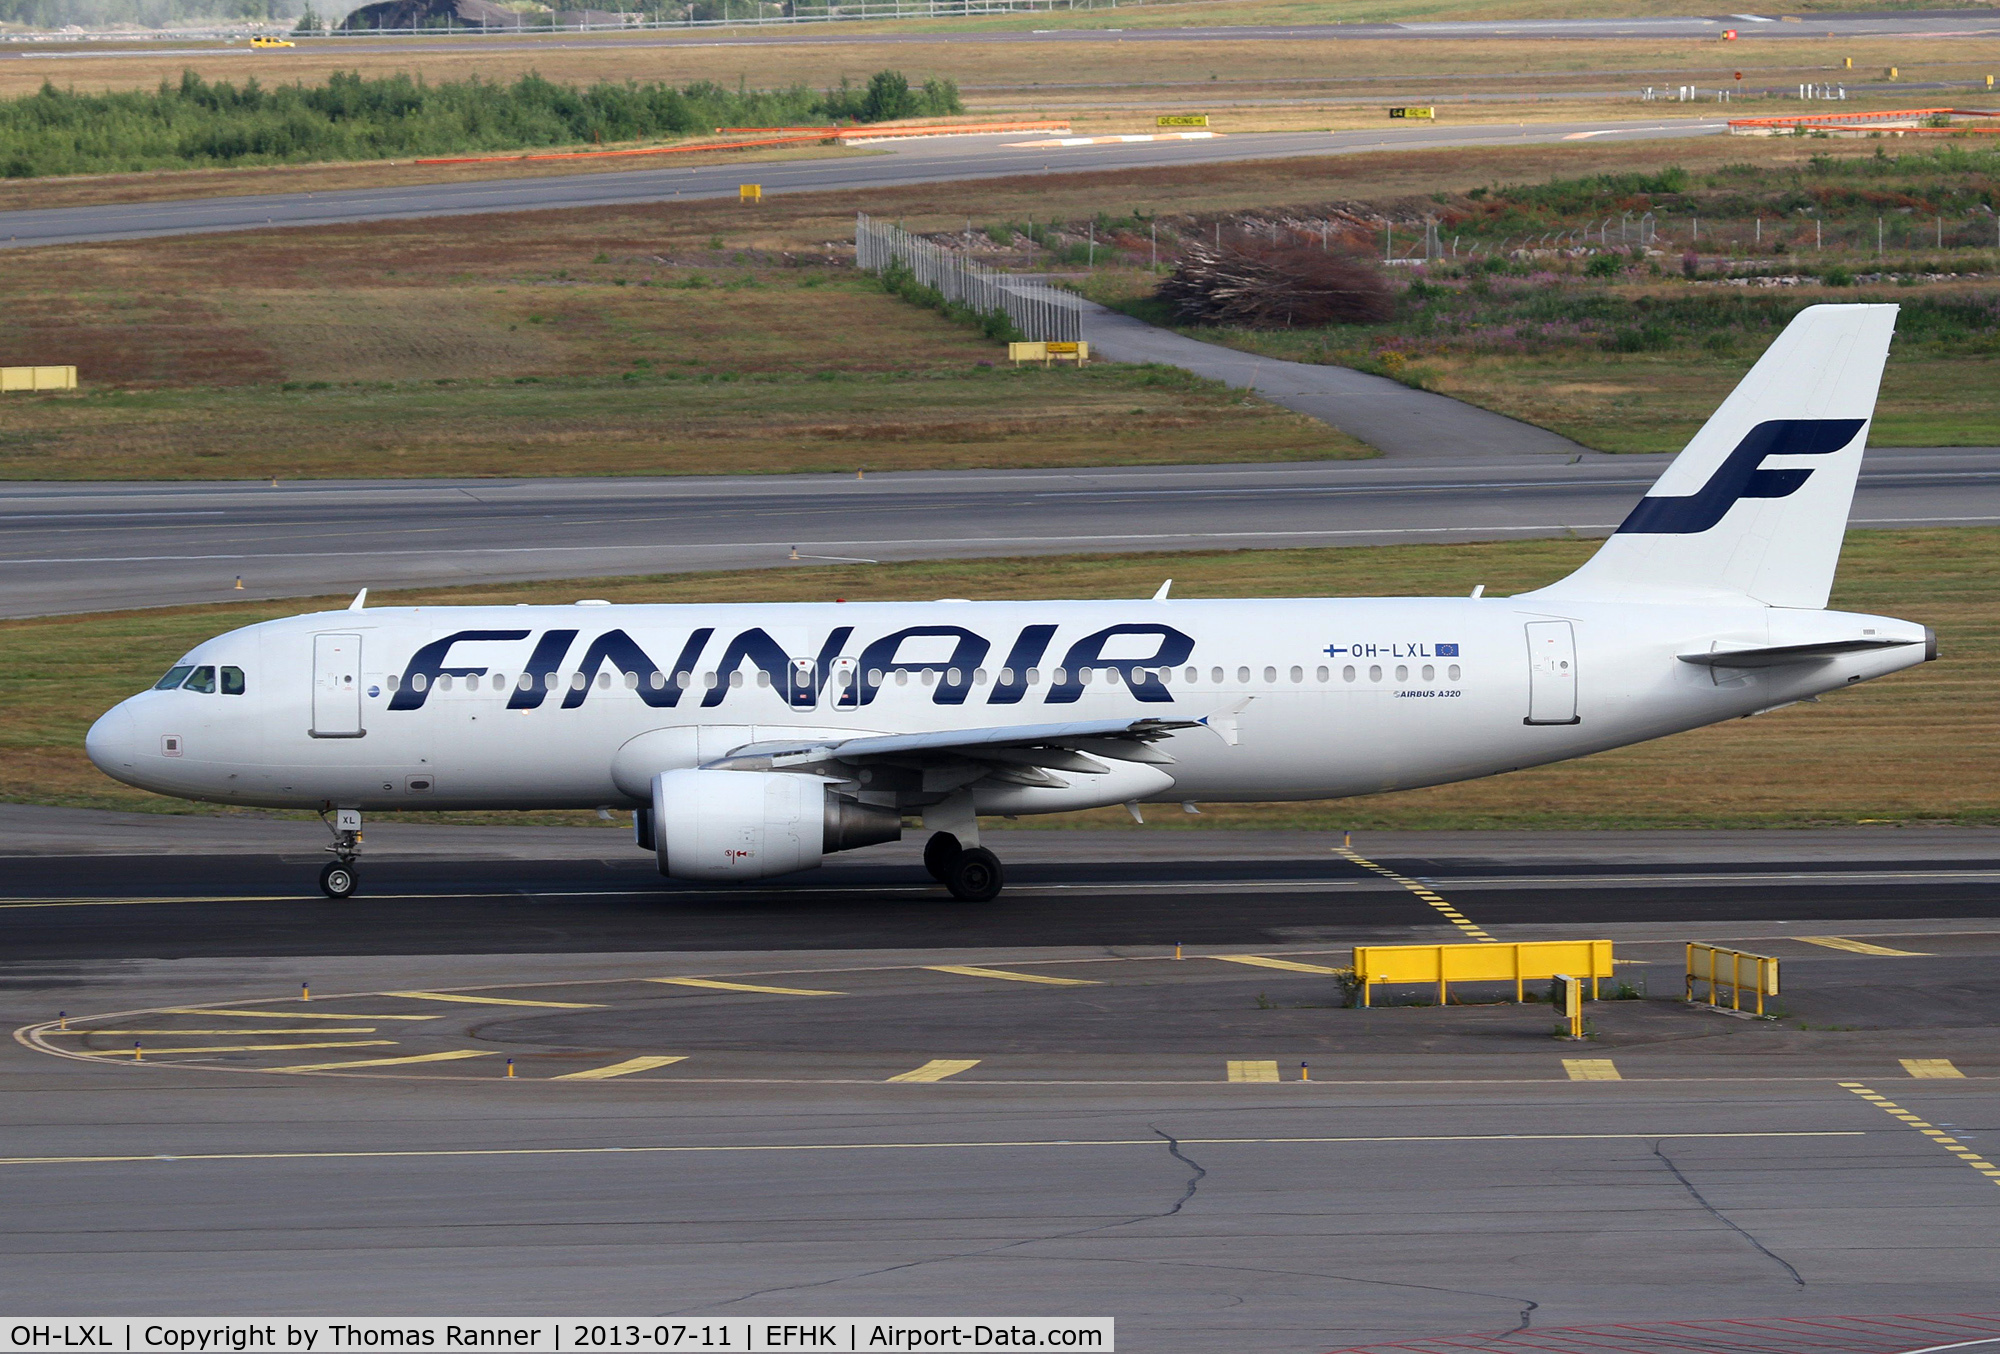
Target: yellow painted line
{"x":317,"y":1029}
{"x":937,"y":1069}
{"x":1423,"y":891}
{"x":716,"y":984}
{"x":1860,"y":947}
{"x":1935,"y":1134}
{"x":235,"y":1048}
{"x":1932,"y":1068}
{"x":494,"y":1001}
{"x":1008,"y":975}
{"x":282,"y":1015}
{"x":1591,"y":1069}
{"x":452,"y":1056}
{"x":1253,"y":1071}
{"x":658,"y":1148}
{"x":624,"y":1069}
{"x":1261,"y":961}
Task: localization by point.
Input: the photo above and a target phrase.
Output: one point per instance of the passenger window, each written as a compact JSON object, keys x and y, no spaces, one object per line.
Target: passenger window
{"x":1430,"y":673}
{"x":1270,"y":674}
{"x":1347,"y":673}
{"x":232,"y":681}
{"x":1243,"y":676}
{"x":1452,"y":672}
{"x":174,"y":677}
{"x":1374,"y":672}
{"x":202,"y":679}
{"x":1298,"y":674}
{"x":1402,"y":672}
{"x":1323,"y":674}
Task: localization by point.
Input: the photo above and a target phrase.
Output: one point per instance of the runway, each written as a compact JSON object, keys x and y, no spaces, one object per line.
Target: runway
{"x":524,"y":1088}
{"x":84,"y":547}
{"x":900,"y":164}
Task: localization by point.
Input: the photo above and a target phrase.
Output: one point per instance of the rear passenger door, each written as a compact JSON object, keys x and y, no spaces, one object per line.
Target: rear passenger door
{"x":336,"y":692}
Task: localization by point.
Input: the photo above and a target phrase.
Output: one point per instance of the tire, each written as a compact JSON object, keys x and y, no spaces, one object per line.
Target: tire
{"x":939,"y":852}
{"x":975,"y":876}
{"x":338,"y":880}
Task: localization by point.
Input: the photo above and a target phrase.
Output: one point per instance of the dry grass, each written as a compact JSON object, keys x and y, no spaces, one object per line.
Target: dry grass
{"x":1919,"y":746}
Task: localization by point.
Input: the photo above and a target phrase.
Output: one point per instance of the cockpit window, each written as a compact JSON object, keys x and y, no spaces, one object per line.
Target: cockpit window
{"x":202,"y":679}
{"x":232,"y":681}
{"x":174,"y":677}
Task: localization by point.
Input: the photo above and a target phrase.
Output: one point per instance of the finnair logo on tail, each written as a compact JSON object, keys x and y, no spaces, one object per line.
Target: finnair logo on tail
{"x":1741,"y":475}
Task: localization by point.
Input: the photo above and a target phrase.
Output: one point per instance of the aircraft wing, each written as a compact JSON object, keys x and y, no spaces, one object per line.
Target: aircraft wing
{"x":1064,"y":747}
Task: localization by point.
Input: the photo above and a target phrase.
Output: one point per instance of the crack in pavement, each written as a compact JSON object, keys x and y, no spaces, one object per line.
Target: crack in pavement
{"x":1717,"y":1214}
{"x":1187,"y":1193}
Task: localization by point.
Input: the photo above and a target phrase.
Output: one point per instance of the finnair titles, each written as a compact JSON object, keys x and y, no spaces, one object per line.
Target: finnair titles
{"x":752,"y":740}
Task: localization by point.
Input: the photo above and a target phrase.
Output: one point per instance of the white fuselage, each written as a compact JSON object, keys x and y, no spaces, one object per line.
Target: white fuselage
{"x":580,"y":706}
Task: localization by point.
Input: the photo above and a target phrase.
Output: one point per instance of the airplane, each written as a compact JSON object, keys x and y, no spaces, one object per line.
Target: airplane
{"x":750,"y":741}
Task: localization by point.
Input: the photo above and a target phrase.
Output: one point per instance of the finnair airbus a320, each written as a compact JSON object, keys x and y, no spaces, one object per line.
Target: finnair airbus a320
{"x":751,"y":741}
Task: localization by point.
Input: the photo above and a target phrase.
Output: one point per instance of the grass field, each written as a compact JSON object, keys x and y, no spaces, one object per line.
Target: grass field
{"x":1913,"y":748}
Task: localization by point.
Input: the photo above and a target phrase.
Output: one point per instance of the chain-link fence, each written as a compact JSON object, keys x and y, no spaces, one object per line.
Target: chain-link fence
{"x":1037,"y":310}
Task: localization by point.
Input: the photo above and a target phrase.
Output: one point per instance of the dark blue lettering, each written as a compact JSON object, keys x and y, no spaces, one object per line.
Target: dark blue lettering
{"x":762,"y":651}
{"x":878,"y":660}
{"x":1012,"y":684}
{"x":627,"y":656}
{"x":1740,"y":475}
{"x":1088,"y":652}
{"x":546,"y":658}
{"x":428,"y":662}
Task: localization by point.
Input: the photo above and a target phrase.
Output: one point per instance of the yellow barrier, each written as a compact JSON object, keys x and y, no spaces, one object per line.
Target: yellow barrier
{"x":749,"y":192}
{"x":1721,"y":968}
{"x":37,"y":378}
{"x":1520,"y":963}
{"x":1048,"y":352}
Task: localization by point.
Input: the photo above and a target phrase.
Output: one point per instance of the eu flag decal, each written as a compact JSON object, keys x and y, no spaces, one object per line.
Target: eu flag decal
{"x":1447,"y":651}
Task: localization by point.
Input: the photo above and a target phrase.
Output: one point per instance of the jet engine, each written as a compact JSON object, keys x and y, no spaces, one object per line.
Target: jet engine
{"x":711,"y":824}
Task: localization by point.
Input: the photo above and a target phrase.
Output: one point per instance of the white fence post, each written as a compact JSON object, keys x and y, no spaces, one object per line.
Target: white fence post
{"x":1041,"y":313}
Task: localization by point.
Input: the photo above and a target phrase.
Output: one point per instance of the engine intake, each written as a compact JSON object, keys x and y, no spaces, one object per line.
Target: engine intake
{"x":754,"y":824}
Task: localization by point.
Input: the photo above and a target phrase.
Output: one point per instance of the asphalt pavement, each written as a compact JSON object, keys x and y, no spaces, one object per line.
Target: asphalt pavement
{"x":1129,"y":1089}
{"x":938,"y":160}
{"x":68,"y":547}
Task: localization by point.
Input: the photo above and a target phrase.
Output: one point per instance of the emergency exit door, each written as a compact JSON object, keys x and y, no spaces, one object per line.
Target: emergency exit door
{"x":336,"y":698}
{"x":1551,"y":673}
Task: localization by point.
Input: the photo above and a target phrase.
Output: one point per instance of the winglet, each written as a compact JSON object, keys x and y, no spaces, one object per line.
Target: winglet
{"x":1161,"y":595}
{"x":360,"y":602}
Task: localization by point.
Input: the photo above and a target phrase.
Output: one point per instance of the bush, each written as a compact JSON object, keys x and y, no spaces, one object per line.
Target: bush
{"x":1603,"y":265}
{"x":1837,"y":276}
{"x":1275,"y":286}
{"x":196,"y":123}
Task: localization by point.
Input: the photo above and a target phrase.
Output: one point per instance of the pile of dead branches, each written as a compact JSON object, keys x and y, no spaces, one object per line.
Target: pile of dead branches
{"x":1255,"y":285}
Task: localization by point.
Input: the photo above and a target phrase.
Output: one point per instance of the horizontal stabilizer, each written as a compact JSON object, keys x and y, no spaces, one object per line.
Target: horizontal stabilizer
{"x":1782,"y":654}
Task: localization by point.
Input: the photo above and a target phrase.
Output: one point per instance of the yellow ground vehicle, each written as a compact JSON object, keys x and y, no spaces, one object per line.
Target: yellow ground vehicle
{"x":272,"y":42}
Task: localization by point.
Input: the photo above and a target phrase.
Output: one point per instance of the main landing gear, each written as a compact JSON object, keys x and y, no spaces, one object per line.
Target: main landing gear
{"x":973,"y":875}
{"x":339,"y":879}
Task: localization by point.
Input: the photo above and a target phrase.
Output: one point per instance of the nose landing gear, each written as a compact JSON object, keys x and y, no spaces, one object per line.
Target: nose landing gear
{"x":339,"y":879}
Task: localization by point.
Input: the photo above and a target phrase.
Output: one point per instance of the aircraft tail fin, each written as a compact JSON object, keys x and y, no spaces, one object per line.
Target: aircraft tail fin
{"x":1756,"y":505}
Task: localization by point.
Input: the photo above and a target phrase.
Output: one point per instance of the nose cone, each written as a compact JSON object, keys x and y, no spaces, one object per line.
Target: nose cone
{"x":113,"y":743}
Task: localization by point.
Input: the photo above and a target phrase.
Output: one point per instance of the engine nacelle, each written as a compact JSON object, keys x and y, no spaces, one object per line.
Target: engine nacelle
{"x":753,"y":824}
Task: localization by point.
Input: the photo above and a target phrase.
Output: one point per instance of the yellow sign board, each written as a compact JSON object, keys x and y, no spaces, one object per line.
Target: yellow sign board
{"x":1519,"y":963}
{"x":1184,"y":120}
{"x":749,"y":192}
{"x":37,"y":378}
{"x":1413,"y":113}
{"x":1047,"y":352}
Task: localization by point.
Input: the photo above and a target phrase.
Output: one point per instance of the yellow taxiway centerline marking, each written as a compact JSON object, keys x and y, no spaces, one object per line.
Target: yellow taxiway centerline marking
{"x":651,"y":1148}
{"x":974,"y":971}
{"x":317,"y":1029}
{"x":937,"y":1069}
{"x":452,"y":1056}
{"x":1936,"y":1069}
{"x":1936,"y":1135}
{"x":493,"y":1001}
{"x":1860,"y":947}
{"x":624,"y":1069}
{"x":1253,"y":1071}
{"x":279,"y":1015}
{"x":234,"y":1048}
{"x":1423,"y":891}
{"x":716,"y":984}
{"x":1591,"y":1069}
{"x":1289,"y":965}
